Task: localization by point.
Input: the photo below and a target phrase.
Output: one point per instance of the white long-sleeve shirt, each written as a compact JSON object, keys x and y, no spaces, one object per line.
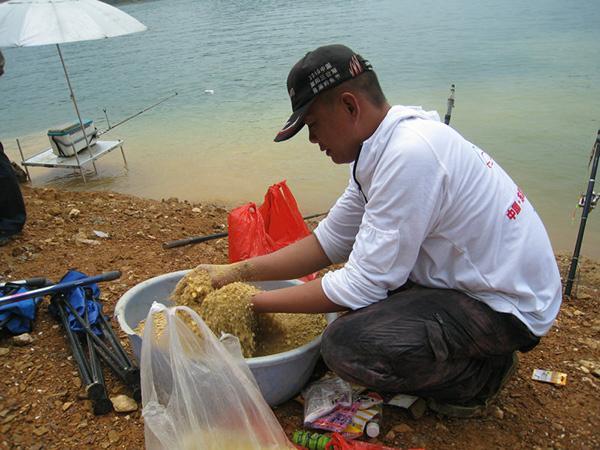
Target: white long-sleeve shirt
{"x":425,"y":204}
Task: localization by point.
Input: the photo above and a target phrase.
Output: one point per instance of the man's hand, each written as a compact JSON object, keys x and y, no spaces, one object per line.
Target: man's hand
{"x":222,"y":274}
{"x":296,"y":260}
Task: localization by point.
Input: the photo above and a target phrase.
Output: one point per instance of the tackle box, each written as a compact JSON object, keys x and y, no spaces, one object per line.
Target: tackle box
{"x":68,"y":138}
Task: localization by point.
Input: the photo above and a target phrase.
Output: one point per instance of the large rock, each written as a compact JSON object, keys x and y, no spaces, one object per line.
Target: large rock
{"x":122,"y":403}
{"x":22,"y":340}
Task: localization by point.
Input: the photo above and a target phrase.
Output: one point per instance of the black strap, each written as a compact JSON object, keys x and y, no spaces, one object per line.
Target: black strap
{"x":354,"y":175}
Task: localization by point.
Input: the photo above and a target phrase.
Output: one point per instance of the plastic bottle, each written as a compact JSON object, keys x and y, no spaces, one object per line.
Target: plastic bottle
{"x":311,"y":441}
{"x":373,"y":425}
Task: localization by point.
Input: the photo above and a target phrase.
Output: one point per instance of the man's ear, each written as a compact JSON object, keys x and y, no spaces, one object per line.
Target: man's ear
{"x":350,"y":104}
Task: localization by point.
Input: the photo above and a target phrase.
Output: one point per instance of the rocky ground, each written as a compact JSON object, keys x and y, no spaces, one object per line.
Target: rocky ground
{"x":42,"y":404}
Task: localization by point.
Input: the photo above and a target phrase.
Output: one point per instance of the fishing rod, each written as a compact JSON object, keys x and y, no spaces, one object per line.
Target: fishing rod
{"x":210,"y":237}
{"x":100,"y":133}
{"x":450,"y":105}
{"x":36,"y":282}
{"x":587,"y":207}
{"x":59,"y":287}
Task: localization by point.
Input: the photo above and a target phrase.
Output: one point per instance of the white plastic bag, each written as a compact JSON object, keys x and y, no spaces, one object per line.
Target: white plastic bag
{"x":198,"y":393}
{"x":323,"y":396}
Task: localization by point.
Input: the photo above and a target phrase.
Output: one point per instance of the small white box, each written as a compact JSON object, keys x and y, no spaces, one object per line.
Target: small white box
{"x":68,"y":138}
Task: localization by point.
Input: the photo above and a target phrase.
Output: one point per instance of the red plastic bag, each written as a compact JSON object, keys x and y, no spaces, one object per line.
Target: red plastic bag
{"x":276,"y":223}
{"x":283,"y":221}
{"x":247,"y":234}
{"x":338,"y":442}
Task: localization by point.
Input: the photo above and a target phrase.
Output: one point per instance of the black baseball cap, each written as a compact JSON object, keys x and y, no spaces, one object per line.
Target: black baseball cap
{"x":319,"y":70}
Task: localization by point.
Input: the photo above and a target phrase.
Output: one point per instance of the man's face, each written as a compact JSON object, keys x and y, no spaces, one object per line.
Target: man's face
{"x":331,"y":127}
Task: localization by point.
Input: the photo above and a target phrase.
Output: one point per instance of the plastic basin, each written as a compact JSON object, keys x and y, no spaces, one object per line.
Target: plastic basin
{"x":280,"y":376}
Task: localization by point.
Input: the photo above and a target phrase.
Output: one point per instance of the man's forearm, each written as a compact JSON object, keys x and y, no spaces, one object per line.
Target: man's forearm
{"x":305,"y":298}
{"x":294,"y":261}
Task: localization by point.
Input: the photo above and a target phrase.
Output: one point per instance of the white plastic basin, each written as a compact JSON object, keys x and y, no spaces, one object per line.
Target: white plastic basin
{"x":280,"y":376}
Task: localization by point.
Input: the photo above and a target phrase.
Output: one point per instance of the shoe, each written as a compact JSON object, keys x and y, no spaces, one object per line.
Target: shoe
{"x":461,"y":411}
{"x":480,"y":403}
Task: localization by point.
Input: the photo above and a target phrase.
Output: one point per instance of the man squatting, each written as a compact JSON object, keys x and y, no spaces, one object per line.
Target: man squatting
{"x":448,"y":268}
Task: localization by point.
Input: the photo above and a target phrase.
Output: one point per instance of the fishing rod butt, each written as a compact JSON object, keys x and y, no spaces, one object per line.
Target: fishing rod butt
{"x":173,"y":244}
{"x":95,"y":391}
{"x":102,"y":406}
{"x":132,"y":376}
{"x":37,"y":282}
{"x":109,"y":276}
{"x":137,"y":393}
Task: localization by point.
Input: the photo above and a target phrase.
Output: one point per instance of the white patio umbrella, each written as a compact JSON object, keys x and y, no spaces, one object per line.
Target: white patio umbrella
{"x":28,"y":23}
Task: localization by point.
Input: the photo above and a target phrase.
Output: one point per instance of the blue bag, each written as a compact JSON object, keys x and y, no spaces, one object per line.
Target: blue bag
{"x":18,"y":317}
{"x":81,"y":298}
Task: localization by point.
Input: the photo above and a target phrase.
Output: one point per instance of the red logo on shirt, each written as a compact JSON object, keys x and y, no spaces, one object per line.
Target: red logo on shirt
{"x":489,"y":162}
{"x":513,"y":211}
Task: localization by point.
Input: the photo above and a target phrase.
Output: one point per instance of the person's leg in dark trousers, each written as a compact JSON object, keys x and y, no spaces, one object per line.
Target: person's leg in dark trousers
{"x":12,"y":207}
{"x":434,"y":343}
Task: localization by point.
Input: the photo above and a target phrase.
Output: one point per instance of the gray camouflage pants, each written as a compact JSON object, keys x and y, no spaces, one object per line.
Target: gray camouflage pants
{"x":433,"y":343}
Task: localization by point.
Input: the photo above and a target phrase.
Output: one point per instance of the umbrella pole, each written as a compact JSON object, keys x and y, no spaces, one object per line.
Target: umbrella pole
{"x":87,"y":142}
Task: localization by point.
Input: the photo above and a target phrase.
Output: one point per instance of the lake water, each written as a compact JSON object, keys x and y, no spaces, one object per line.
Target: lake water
{"x":527,"y":78}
